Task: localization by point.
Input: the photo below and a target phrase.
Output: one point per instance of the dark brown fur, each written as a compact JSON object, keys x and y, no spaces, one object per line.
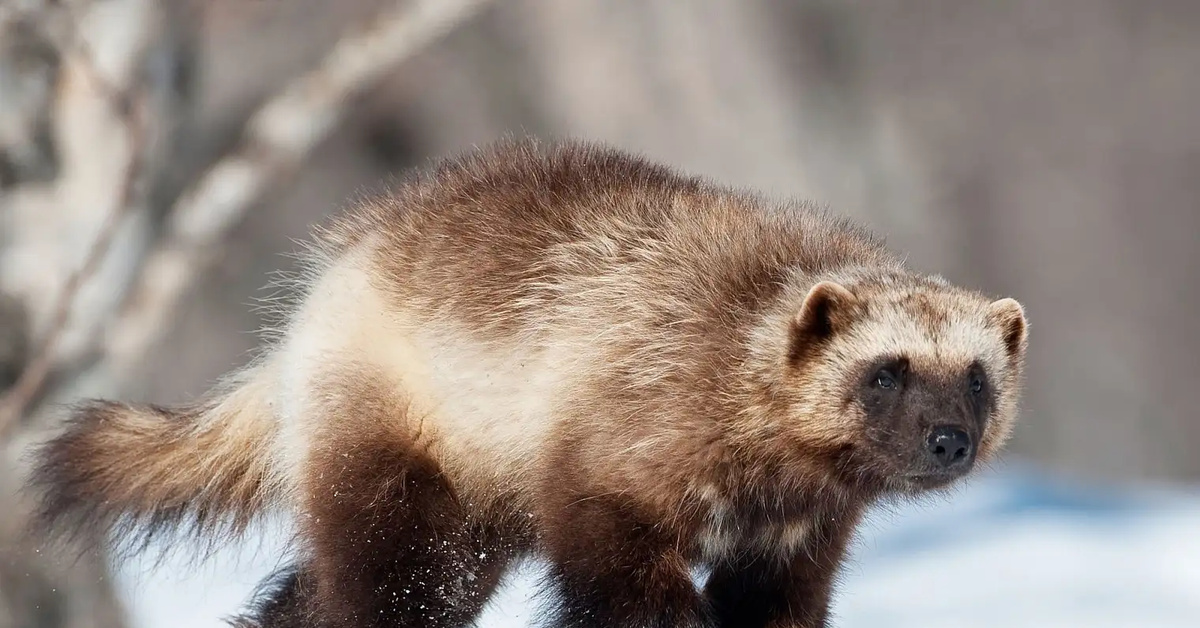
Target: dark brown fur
{"x":719,"y":416}
{"x":391,"y":542}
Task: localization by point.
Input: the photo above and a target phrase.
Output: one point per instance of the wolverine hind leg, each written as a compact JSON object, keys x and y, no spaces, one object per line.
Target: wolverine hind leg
{"x":388,"y":541}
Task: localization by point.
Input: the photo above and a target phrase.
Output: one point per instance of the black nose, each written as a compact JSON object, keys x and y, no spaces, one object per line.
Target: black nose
{"x":949,"y":447}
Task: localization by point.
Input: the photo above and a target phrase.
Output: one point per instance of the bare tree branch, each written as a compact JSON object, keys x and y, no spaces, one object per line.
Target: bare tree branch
{"x":130,"y":110}
{"x":276,"y":140}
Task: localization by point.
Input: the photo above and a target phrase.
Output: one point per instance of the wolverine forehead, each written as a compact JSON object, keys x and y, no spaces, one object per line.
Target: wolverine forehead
{"x":934,"y":331}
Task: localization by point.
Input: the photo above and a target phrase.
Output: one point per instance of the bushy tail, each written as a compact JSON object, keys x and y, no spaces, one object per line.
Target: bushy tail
{"x":134,"y":471}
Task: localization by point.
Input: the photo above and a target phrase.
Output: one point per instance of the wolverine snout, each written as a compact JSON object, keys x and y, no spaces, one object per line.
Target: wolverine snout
{"x":950,"y":449}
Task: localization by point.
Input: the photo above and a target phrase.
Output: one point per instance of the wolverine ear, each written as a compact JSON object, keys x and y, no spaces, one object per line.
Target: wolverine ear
{"x":1009,"y":317}
{"x":826,"y":308}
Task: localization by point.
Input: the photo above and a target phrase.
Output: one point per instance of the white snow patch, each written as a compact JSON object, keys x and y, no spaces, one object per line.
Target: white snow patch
{"x":1009,"y":550}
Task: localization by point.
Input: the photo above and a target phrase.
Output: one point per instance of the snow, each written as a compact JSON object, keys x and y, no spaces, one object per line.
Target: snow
{"x":1012,"y":548}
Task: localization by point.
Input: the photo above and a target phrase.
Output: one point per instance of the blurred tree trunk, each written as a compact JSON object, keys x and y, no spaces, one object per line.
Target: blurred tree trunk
{"x":70,"y":73}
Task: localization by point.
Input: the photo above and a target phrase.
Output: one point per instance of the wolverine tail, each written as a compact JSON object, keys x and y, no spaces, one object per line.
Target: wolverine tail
{"x":134,"y":471}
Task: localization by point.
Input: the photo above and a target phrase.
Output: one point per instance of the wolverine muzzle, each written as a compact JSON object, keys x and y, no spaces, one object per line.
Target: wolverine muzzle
{"x":950,"y":449}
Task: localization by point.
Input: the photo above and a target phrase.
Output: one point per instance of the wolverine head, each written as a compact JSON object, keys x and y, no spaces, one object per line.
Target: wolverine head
{"x":901,"y":383}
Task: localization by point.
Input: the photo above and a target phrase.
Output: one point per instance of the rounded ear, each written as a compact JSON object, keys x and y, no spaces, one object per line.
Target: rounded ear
{"x":826,"y":308}
{"x":1009,"y":316}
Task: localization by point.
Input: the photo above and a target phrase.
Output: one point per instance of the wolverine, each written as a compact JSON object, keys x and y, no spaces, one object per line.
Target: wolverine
{"x":564,"y":350}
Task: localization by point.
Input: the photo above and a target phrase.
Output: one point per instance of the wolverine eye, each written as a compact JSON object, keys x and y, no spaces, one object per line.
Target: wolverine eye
{"x":885,"y":380}
{"x":977,"y":380}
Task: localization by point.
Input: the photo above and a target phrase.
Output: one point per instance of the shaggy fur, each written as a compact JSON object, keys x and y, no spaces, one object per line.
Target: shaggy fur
{"x":568,"y":350}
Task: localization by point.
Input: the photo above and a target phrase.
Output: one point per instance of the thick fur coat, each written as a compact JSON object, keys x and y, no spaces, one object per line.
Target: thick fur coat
{"x":568,"y":350}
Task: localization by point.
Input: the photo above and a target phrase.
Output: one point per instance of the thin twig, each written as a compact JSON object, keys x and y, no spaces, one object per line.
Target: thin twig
{"x":276,"y":140}
{"x":15,"y":402}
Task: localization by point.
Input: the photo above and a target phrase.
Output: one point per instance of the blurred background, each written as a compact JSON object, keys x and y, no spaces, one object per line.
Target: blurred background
{"x":159,"y":158}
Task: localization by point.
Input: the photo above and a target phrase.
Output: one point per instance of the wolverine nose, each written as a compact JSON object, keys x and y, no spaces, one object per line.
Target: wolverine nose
{"x":949,"y":447}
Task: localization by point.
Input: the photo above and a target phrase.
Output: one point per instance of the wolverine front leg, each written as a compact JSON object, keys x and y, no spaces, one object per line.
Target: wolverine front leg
{"x":611,"y":570}
{"x":769,"y":590}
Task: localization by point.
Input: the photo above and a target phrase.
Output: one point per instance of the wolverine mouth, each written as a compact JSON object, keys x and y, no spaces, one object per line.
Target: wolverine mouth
{"x":931,"y":480}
